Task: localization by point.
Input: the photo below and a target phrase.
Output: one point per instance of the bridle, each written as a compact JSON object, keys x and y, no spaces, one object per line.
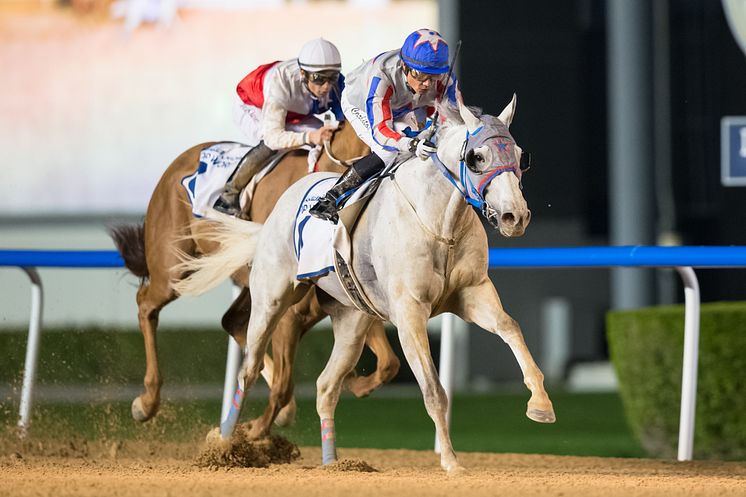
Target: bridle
{"x":341,"y":163}
{"x":471,"y":190}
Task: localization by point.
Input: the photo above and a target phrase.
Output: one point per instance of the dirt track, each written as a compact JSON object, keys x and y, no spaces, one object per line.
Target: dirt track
{"x":135,"y":469}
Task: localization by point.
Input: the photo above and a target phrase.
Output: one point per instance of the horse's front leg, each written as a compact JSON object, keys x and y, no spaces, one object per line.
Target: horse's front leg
{"x":410,"y":318}
{"x":481,"y":305}
{"x":387,"y":364}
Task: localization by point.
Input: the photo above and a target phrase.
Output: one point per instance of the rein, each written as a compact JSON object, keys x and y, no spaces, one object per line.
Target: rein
{"x":341,"y":163}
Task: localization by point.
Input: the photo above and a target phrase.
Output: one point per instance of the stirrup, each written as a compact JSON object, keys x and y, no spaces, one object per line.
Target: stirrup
{"x":325,"y":209}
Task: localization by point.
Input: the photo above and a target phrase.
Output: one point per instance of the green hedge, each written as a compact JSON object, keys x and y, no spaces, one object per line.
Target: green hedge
{"x":646,"y":348}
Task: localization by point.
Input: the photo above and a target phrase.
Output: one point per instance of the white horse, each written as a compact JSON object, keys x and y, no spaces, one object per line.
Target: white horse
{"x":419,"y":250}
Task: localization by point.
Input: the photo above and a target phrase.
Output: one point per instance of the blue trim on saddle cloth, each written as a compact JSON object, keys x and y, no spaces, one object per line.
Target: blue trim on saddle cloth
{"x":301,"y":225}
{"x":320,"y":272}
{"x":296,"y":245}
{"x":192,"y":183}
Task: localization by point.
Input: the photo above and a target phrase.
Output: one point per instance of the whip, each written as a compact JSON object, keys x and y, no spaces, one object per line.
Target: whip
{"x":445,"y":87}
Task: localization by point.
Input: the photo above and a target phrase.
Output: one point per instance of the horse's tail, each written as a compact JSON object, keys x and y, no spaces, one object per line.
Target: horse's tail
{"x":237,"y":240}
{"x":130,"y":242}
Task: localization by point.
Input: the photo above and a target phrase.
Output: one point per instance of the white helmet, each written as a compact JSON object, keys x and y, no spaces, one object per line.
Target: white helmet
{"x":319,"y":55}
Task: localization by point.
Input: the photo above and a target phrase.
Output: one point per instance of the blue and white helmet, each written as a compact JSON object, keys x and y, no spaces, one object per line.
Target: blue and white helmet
{"x":426,"y":51}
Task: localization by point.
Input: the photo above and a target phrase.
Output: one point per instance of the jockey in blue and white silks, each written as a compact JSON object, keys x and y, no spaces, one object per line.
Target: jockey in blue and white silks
{"x":387,"y":100}
{"x":276,"y":108}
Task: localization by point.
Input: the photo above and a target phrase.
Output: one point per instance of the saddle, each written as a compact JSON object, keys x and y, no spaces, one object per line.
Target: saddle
{"x":322,"y":247}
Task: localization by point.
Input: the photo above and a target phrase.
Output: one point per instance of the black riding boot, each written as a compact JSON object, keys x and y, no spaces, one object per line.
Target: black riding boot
{"x":255,"y":160}
{"x":326,"y":207}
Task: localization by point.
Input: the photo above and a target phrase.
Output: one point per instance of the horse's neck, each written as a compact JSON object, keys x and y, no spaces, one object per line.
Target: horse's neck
{"x":440,"y":207}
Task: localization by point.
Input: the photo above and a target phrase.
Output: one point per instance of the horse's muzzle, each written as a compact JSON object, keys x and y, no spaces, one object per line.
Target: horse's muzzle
{"x":508,"y":224}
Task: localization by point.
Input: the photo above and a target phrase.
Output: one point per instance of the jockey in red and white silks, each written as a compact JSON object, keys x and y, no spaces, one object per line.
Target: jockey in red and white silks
{"x":275,"y":105}
{"x":387,"y":100}
{"x":276,"y":108}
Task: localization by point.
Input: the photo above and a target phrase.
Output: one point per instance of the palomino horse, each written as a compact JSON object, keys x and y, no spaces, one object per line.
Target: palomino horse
{"x":147,"y":251}
{"x":423,"y":251}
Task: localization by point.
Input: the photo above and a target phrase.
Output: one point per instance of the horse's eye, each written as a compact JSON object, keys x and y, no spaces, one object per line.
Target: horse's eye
{"x":479,"y":157}
{"x":471,"y":161}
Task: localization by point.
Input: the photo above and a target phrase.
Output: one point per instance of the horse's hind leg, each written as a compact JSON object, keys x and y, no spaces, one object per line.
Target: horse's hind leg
{"x":387,"y":364}
{"x":350,"y":328}
{"x":481,"y":305}
{"x":272,"y":294}
{"x":236,"y":318}
{"x":298,"y":319}
{"x":151,"y":298}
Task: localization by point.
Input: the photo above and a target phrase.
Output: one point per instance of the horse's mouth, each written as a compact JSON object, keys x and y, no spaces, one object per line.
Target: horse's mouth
{"x":508,"y":224}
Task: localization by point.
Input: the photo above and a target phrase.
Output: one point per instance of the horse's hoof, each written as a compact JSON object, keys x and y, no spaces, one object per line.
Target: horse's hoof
{"x":362,"y":386}
{"x":138,"y":411}
{"x":456,"y":470}
{"x":213,"y":436}
{"x":541,"y":416}
{"x":255,"y":432}
{"x":214,"y":440}
{"x":286,"y":416}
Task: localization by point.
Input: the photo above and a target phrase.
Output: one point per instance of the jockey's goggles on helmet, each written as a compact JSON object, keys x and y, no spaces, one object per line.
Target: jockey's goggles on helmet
{"x":422,"y":76}
{"x":319,"y":78}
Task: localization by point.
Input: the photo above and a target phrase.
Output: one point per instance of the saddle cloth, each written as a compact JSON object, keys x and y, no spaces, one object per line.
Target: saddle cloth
{"x":216,"y":165}
{"x":314,"y":239}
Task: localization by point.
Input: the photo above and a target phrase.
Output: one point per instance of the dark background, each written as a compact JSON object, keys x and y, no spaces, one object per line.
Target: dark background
{"x":553,"y":55}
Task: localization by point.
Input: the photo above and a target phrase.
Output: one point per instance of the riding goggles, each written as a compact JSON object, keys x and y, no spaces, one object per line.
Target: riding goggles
{"x":422,"y":76}
{"x":319,"y":78}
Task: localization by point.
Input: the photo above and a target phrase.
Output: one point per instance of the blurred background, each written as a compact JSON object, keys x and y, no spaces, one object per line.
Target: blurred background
{"x":620,"y":102}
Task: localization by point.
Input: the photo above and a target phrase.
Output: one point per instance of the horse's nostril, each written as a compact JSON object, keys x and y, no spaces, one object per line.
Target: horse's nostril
{"x":508,"y":219}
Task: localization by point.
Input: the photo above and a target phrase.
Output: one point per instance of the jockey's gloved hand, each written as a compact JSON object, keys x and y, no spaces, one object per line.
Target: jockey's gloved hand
{"x":422,"y":148}
{"x":319,"y":136}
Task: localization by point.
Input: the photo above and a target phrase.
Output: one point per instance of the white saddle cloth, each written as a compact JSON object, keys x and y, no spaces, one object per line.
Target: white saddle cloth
{"x":216,"y":165}
{"x":313,"y":238}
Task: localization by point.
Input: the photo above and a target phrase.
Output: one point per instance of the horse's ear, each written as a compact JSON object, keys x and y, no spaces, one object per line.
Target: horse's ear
{"x":472,"y":122}
{"x":506,"y":116}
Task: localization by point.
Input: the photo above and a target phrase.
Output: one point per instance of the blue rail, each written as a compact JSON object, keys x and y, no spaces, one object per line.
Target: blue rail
{"x":61,"y":258}
{"x":626,"y":256}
